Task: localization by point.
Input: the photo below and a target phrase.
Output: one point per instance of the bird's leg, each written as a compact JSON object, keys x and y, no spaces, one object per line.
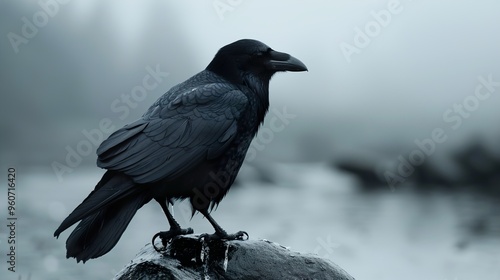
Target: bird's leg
{"x":221,"y":234}
{"x":175,"y":228}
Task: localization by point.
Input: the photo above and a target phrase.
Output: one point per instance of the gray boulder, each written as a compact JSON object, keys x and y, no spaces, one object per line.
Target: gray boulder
{"x":186,"y":257}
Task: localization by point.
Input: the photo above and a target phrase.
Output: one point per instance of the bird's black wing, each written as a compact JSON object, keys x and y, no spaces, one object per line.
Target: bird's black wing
{"x":175,"y":134}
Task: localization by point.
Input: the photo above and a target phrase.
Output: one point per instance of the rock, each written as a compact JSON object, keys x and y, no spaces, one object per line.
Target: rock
{"x":186,"y":257}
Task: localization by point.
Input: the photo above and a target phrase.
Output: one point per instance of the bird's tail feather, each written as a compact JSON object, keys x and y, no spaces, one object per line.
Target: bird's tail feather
{"x":104,"y":215}
{"x":98,"y":233}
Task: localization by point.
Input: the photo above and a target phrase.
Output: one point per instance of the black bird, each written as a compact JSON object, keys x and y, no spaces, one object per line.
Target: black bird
{"x":189,"y":144}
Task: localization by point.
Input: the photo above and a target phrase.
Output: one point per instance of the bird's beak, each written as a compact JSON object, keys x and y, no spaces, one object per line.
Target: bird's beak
{"x":284,"y":62}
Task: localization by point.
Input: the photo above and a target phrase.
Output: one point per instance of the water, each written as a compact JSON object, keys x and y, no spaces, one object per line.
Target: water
{"x":383,"y":234}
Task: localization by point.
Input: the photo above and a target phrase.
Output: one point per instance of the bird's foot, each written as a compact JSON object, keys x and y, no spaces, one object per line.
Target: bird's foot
{"x":167,"y":236}
{"x":240,"y":235}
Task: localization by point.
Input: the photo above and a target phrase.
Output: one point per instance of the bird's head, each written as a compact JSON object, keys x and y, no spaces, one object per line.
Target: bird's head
{"x":250,"y":59}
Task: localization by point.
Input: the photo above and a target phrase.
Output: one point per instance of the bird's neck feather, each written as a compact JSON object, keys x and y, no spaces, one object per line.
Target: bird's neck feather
{"x":260,"y":87}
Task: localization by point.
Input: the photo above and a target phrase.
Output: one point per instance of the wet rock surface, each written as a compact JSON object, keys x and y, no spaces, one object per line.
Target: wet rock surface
{"x":186,"y":257}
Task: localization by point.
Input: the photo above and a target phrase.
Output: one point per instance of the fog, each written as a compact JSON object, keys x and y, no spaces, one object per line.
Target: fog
{"x":378,"y":97}
{"x":383,"y":77}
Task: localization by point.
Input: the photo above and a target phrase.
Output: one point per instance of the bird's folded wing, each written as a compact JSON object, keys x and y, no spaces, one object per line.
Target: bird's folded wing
{"x":175,"y":135}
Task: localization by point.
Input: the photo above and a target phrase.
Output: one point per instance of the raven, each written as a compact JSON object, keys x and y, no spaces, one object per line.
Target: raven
{"x":190,"y":143}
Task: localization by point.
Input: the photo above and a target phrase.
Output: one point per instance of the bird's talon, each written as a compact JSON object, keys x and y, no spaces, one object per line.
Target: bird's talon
{"x":242,"y":235}
{"x":159,"y":250}
{"x":167,"y":237}
{"x":202,"y":237}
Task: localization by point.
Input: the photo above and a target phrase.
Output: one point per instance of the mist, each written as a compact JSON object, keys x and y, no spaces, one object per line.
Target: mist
{"x":385,"y":79}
